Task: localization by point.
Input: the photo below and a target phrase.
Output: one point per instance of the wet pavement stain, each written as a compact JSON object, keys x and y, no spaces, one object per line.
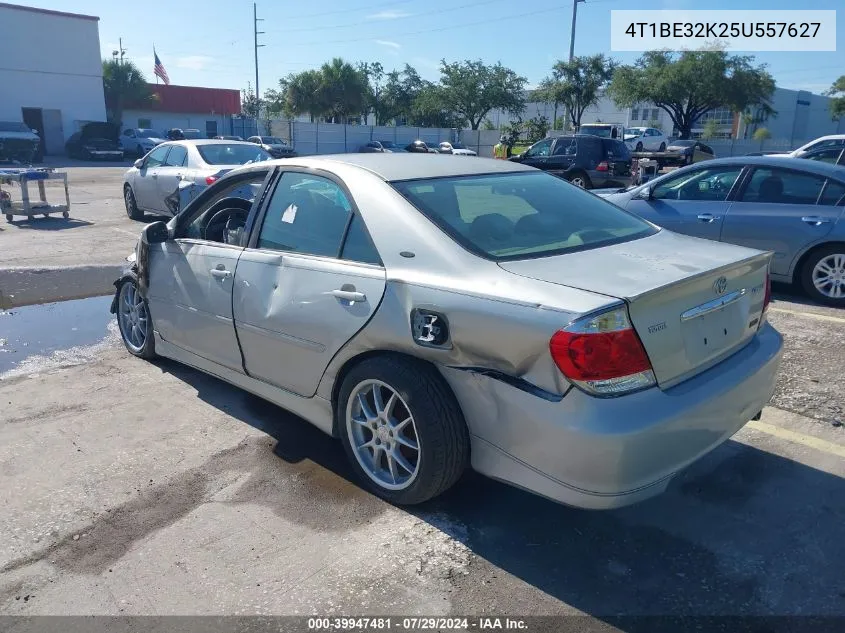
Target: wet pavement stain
{"x":52,"y":328}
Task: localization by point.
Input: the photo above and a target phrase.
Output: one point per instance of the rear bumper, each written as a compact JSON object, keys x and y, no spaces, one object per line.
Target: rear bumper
{"x":605,"y":453}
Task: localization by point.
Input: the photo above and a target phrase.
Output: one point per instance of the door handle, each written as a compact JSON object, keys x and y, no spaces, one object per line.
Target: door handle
{"x":349,"y":295}
{"x":220,"y":273}
{"x":707,"y":217}
{"x":815,"y":220}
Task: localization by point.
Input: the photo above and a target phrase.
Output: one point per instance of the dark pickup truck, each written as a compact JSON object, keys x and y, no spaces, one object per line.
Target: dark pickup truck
{"x":583,"y":159}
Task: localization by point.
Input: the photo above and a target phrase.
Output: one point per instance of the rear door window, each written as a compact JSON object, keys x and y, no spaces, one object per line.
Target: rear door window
{"x":566,"y":147}
{"x":833,"y":194}
{"x":781,"y":186}
{"x":177,"y":156}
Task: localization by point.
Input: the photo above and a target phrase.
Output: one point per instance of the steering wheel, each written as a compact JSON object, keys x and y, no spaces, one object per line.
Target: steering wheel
{"x":227,"y":214}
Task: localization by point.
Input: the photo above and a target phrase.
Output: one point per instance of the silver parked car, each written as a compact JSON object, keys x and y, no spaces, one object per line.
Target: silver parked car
{"x":440,"y":314}
{"x":787,"y":205}
{"x":150,"y":184}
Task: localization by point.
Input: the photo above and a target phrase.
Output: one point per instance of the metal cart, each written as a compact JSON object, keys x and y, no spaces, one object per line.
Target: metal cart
{"x":25,"y":206}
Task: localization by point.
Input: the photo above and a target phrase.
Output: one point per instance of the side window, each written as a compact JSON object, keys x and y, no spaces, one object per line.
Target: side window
{"x":240,"y":194}
{"x":566,"y":147}
{"x":540,"y":149}
{"x":156,"y":157}
{"x":177,"y":156}
{"x":129,"y":133}
{"x":358,"y":247}
{"x":780,"y":186}
{"x":833,"y":194}
{"x":825,"y":155}
{"x":253,"y":139}
{"x":145,"y":123}
{"x":307,"y":214}
{"x":709,"y":184}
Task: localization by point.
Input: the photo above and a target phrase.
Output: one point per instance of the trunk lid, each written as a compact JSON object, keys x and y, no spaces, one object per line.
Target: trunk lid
{"x":693,"y":302}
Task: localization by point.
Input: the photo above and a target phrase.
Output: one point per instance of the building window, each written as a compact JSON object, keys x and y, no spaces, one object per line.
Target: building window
{"x":721,"y":115}
{"x":211,"y":129}
{"x":635,"y":114}
{"x":655,"y":114}
{"x":145,"y":123}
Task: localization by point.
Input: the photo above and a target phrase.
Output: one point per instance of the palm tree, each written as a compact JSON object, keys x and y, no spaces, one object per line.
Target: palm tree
{"x":123,"y":83}
{"x":344,"y":89}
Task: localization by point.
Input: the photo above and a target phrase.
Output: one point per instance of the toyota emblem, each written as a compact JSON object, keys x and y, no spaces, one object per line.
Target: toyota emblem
{"x":720,"y":285}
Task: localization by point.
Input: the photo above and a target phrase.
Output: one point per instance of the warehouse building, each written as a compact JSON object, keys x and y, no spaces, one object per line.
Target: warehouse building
{"x":53,"y":88}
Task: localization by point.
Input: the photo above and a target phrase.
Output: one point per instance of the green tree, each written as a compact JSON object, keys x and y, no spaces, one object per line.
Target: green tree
{"x":374,"y":72}
{"x":711,"y":129}
{"x":762,"y":134}
{"x":487,"y":124}
{"x":400,"y":90}
{"x":686,"y":85}
{"x":123,"y":83}
{"x":430,"y":108}
{"x":302,"y":94}
{"x":250,"y":104}
{"x":576,"y":84}
{"x":837,"y":103}
{"x":536,"y":128}
{"x":343,"y":90}
{"x":472,"y":89}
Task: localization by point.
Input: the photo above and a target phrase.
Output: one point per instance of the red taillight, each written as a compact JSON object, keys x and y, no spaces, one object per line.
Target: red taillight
{"x":602,"y":166}
{"x":602,"y":354}
{"x":210,"y":180}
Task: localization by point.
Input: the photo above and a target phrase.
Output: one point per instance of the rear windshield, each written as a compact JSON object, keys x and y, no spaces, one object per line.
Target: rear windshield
{"x":521,"y":215}
{"x":597,"y":130}
{"x":232,"y":154}
{"x":13,"y":126}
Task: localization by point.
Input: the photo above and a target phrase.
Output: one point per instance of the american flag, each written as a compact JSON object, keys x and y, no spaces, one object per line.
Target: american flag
{"x":159,"y":71}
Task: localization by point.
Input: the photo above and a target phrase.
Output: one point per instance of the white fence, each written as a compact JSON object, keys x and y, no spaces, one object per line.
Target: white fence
{"x":332,"y":138}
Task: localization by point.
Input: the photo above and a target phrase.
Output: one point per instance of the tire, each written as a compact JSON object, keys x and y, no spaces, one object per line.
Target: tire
{"x":9,"y":217}
{"x":662,"y":147}
{"x":639,"y":147}
{"x":138,"y":342}
{"x":433,"y":421}
{"x":580,"y":179}
{"x":132,"y":209}
{"x":833,"y":258}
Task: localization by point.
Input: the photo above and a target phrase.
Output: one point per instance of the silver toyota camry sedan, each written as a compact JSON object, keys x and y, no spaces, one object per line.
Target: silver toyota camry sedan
{"x":436,"y":315}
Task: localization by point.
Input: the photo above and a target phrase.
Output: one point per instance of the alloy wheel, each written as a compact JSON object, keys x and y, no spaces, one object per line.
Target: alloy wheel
{"x":132,"y":317}
{"x":829,"y":276}
{"x":383,"y":435}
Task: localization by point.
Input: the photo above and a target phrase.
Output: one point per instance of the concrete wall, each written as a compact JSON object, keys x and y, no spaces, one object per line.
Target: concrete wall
{"x":163,"y":121}
{"x":50,"y":61}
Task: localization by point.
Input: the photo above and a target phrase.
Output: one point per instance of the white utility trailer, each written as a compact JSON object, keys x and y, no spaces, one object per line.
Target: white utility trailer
{"x":26,"y":206}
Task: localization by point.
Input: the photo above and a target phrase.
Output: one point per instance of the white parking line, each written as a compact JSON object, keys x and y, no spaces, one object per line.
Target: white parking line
{"x":798,"y":438}
{"x":114,"y":228}
{"x":812,"y":315}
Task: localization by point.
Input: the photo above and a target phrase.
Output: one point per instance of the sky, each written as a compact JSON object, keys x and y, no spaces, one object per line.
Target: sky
{"x":213,"y":46}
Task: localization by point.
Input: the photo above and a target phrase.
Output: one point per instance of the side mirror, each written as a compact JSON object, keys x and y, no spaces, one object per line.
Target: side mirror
{"x":646,"y":194}
{"x":138,"y":164}
{"x":155,"y":233}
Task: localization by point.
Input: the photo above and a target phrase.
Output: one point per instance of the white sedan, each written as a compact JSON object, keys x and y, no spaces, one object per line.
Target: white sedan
{"x":158,"y":176}
{"x":456,"y":149}
{"x":645,"y":139}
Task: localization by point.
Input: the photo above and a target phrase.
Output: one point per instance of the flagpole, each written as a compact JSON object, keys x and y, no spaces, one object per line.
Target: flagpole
{"x":154,"y":62}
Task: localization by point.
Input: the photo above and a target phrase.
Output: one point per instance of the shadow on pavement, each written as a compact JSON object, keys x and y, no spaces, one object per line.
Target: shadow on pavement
{"x":51,"y":223}
{"x":741,"y":532}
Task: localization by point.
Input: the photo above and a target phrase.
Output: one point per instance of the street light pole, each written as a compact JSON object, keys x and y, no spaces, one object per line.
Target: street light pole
{"x":572,"y":35}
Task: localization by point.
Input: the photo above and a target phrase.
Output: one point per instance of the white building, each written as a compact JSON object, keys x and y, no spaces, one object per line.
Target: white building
{"x":51,"y":73}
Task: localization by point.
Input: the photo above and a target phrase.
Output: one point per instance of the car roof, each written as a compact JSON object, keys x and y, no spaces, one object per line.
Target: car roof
{"x":817,"y":167}
{"x":410,"y":166}
{"x":207,"y":141}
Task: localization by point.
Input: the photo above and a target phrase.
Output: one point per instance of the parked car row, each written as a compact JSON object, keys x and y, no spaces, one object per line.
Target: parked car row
{"x":418,"y":146}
